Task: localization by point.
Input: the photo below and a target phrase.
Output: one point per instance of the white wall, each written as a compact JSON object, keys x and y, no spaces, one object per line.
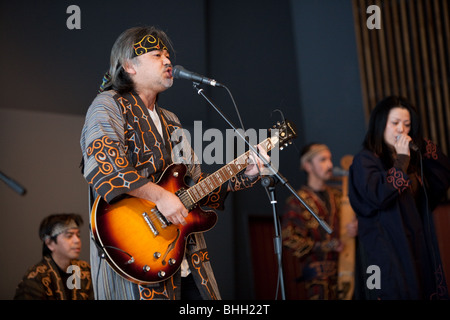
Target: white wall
{"x":41,"y":151}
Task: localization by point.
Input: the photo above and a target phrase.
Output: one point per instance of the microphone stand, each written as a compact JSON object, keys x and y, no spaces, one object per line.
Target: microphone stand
{"x":269,"y":183}
{"x":276,"y":175}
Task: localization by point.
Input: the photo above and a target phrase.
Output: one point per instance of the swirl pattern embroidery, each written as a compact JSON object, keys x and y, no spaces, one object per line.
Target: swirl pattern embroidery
{"x":106,"y":178}
{"x":431,"y":150}
{"x":197,"y":259}
{"x":441,"y":290}
{"x":396,"y":178}
{"x":146,"y":293}
{"x":241,"y":181}
{"x":104,"y":149}
{"x":148,"y":43}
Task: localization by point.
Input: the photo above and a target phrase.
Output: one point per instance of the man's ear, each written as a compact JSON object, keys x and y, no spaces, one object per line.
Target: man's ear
{"x":129,"y":67}
{"x":306,"y":166}
{"x":50,"y":244}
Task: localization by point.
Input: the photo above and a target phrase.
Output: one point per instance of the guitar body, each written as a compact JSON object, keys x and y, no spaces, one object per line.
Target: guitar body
{"x":136,"y":243}
{"x":136,"y":239}
{"x":346,"y":262}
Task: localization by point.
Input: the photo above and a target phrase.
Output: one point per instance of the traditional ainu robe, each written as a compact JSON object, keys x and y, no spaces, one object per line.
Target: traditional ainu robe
{"x":122,"y":151}
{"x":45,"y":281}
{"x":308,"y":241}
{"x":395,"y":224}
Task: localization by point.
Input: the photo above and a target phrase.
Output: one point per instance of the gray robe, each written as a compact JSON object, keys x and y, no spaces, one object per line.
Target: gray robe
{"x":123,"y":150}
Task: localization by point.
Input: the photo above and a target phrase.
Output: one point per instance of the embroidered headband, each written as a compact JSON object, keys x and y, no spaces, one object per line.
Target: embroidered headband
{"x":61,"y":228}
{"x":314,"y":150}
{"x":148,"y":43}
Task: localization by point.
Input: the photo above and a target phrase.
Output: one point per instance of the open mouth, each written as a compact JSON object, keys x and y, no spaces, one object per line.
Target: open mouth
{"x":169,"y":71}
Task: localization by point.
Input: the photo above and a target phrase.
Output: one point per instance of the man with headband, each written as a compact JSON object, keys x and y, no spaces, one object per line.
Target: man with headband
{"x":60,"y":275}
{"x":316,"y":250}
{"x":126,"y":144}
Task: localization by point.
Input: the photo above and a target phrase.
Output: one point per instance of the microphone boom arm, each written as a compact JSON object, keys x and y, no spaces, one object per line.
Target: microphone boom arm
{"x":275,"y":173}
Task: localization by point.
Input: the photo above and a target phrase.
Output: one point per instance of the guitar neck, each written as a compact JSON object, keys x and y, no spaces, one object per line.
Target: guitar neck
{"x":215,"y":180}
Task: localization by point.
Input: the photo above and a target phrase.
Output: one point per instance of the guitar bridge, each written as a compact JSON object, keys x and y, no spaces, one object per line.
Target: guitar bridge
{"x":186,"y":199}
{"x":161,"y":218}
{"x":150,"y":224}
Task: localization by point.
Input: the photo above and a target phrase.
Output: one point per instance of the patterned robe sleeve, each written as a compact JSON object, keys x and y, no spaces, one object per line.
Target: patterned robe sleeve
{"x":107,"y":168}
{"x":295,"y":228}
{"x":30,"y":288}
{"x":436,"y":168}
{"x":373,"y":186}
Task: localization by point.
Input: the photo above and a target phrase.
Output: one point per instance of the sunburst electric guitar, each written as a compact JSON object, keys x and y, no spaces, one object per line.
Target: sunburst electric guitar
{"x":136,"y":239}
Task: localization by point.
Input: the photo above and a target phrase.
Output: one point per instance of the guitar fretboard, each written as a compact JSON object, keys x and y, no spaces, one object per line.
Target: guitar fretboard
{"x":213,"y":181}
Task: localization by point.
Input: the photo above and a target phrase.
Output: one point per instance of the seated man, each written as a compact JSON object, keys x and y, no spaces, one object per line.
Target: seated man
{"x":59,"y":275}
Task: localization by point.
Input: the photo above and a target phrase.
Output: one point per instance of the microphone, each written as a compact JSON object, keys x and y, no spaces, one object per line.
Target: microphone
{"x":412,"y":145}
{"x":179,"y":72}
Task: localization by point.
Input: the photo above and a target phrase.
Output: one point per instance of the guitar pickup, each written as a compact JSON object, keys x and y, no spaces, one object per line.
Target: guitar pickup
{"x":161,"y":218}
{"x":186,"y":199}
{"x":150,"y":224}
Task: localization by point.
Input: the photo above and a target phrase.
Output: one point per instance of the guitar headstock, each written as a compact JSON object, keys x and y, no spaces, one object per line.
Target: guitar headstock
{"x":287,"y":131}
